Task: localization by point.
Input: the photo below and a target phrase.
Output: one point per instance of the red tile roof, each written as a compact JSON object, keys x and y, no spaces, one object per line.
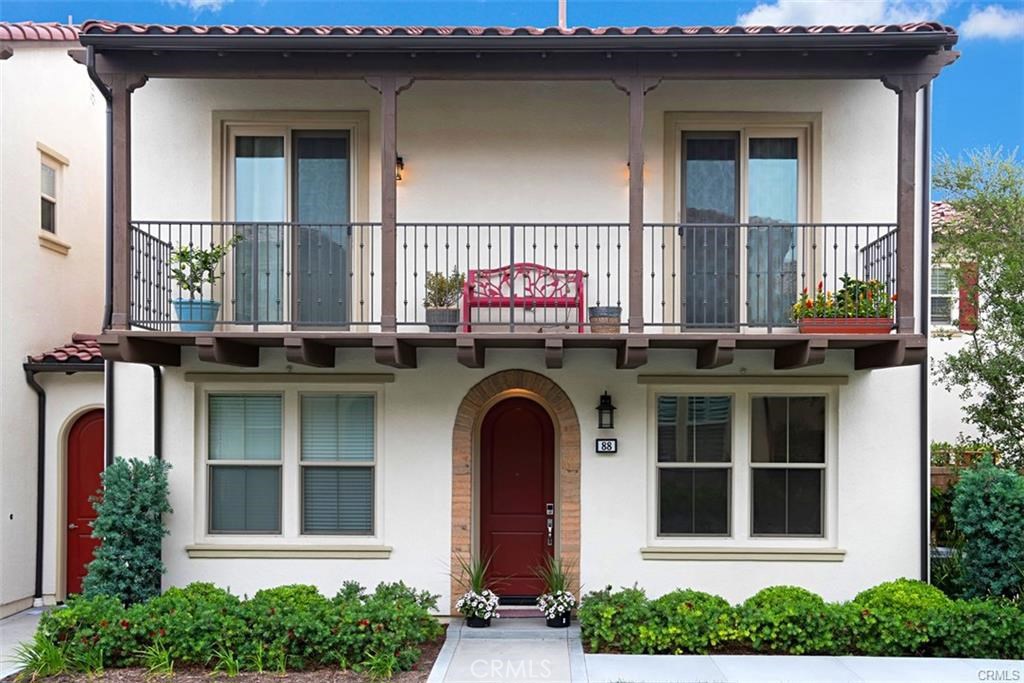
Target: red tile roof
{"x":33,"y":31}
{"x":941,"y":212}
{"x":83,"y":348}
{"x":108,"y":27}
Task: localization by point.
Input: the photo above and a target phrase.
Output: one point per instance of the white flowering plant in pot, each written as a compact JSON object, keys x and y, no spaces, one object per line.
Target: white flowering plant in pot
{"x":479,"y":604}
{"x":558,"y":601}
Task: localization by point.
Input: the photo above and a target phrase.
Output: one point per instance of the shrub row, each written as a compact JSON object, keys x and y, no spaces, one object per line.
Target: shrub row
{"x":289,"y":627}
{"x":897,"y":618}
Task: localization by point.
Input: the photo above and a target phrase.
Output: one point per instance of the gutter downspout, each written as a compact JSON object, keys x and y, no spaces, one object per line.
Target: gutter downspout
{"x":108,"y":265}
{"x":158,"y":412}
{"x":30,"y":377}
{"x":925,"y":380}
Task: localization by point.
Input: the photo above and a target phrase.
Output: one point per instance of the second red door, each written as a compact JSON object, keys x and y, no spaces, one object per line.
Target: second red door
{"x":84,"y":466}
{"x":517,"y":494}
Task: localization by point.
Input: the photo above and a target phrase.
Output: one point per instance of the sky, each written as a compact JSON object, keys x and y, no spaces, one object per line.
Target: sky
{"x":978,"y":102}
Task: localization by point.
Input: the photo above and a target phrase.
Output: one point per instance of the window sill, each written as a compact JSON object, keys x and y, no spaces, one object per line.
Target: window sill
{"x":53,"y":243}
{"x":288,"y":552}
{"x":747,"y":554}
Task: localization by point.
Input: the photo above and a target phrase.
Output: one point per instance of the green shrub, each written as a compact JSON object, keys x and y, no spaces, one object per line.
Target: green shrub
{"x":130,"y":527}
{"x":892,"y":618}
{"x":191,"y":623}
{"x":790,"y":620}
{"x":296,"y":620}
{"x":611,"y":622}
{"x":90,"y":624}
{"x":978,"y":628}
{"x":989,"y":512}
{"x":688,"y":622}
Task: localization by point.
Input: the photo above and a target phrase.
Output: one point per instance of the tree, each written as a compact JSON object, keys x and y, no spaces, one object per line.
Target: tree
{"x":984,"y":241}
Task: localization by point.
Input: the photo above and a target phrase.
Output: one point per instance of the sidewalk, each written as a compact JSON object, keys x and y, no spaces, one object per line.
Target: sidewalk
{"x":15,"y":629}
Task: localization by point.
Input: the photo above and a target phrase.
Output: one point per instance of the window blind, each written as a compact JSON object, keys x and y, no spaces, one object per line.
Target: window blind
{"x":337,"y":500}
{"x":338,"y":428}
{"x":245,"y":499}
{"x":245,"y":427}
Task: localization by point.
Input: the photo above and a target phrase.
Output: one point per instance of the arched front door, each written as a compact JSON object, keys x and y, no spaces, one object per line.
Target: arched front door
{"x":84,"y":465}
{"x":517,"y":494}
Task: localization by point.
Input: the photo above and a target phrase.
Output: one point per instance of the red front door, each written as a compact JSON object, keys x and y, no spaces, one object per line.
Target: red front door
{"x":517,"y":483}
{"x":85,"y":463}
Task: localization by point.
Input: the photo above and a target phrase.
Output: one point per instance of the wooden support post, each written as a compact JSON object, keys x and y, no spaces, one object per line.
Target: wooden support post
{"x":905,"y":203}
{"x":388,"y":201}
{"x":636,"y":204}
{"x":121,"y":187}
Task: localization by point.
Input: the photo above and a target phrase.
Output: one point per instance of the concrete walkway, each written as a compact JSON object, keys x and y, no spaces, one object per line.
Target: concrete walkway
{"x":16,"y":629}
{"x":525,"y":650}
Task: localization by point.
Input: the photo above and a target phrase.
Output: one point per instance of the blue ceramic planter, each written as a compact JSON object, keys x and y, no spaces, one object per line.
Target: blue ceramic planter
{"x":196,"y":315}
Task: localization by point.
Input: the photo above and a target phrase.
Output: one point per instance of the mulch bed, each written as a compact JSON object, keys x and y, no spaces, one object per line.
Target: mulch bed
{"x":418,"y":674}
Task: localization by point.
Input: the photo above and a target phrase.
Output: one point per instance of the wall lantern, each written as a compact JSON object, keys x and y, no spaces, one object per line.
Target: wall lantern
{"x":605,"y":412}
{"x":399,"y":167}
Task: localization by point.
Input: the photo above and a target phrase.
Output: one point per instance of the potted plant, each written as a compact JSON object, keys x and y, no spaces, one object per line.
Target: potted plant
{"x":557,"y":602}
{"x":479,"y":604}
{"x":605,"y":319}
{"x":443,"y":292}
{"x":192,"y":268}
{"x":861,"y":306}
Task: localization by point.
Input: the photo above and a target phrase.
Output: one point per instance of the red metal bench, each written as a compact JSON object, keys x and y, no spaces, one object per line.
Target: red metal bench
{"x":523,"y":285}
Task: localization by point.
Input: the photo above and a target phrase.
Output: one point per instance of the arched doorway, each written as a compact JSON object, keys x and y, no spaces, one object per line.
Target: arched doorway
{"x":517,"y":495}
{"x":84,"y":466}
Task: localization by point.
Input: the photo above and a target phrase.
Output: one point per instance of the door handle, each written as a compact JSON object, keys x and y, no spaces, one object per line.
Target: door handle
{"x":551,"y":531}
{"x":72,"y":526}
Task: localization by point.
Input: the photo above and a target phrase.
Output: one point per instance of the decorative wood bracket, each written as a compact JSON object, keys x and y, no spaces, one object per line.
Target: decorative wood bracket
{"x":402,"y":83}
{"x":134,"y":350}
{"x":627,"y":85}
{"x":632,"y":353}
{"x":470,"y":352}
{"x":309,"y":352}
{"x":885,"y":354}
{"x":924,"y":72}
{"x":715,"y":354}
{"x":554,"y":353}
{"x":227,"y":352}
{"x":801,"y":354}
{"x":394,"y":352}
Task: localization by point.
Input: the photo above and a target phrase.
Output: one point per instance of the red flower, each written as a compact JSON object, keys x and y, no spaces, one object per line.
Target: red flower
{"x":821,"y":285}
{"x":809,"y":304}
{"x":363,"y":623}
{"x":124,"y":623}
{"x":163,"y":632}
{"x":894,"y":297}
{"x":805,"y":290}
{"x":869,"y":295}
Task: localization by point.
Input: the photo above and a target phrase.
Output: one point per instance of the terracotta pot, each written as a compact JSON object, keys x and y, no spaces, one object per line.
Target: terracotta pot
{"x":846,"y":325}
{"x":477,"y":622}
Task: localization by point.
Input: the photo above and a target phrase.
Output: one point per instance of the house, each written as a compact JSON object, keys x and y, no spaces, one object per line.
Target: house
{"x":52,"y":156}
{"x":635,"y":212}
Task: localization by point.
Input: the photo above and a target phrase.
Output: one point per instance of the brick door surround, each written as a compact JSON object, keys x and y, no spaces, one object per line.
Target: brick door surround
{"x":465,"y":438}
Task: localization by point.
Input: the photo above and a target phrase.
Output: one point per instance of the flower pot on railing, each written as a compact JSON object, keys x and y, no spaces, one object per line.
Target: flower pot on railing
{"x":443,"y":319}
{"x":196,"y":315}
{"x":859,"y":307}
{"x":846,"y":325}
{"x":605,"y":319}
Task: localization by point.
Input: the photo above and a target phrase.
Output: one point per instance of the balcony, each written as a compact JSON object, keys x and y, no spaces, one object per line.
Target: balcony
{"x":310,"y":288}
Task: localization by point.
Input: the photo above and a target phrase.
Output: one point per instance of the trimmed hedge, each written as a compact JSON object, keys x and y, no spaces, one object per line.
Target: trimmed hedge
{"x":291,"y":627}
{"x":896,"y":618}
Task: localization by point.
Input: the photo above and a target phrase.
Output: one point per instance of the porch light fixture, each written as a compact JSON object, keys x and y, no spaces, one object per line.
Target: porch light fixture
{"x":605,"y":412}
{"x":399,"y":167}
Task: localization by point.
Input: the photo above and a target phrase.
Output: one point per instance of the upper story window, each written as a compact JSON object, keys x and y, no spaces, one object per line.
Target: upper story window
{"x":49,"y":185}
{"x":944,"y":295}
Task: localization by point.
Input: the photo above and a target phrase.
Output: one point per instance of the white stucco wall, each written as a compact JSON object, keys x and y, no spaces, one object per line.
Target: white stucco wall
{"x":946,"y":418}
{"x":44,"y":296}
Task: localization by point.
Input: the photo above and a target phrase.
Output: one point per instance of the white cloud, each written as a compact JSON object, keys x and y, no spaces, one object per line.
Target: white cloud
{"x":199,"y":6}
{"x":842,"y":12}
{"x":993,"y":21}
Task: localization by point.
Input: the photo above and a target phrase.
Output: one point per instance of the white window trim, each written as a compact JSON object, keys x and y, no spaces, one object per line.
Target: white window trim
{"x":740,"y":485}
{"x":55,"y":162}
{"x":291,"y":476}
{"x":954,"y":297}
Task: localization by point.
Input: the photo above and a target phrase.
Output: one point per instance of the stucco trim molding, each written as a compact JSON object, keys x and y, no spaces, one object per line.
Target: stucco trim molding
{"x":708,"y":380}
{"x":292,"y":377}
{"x":468,"y":418}
{"x":289,"y":552}
{"x":53,"y":243}
{"x":747,"y":554}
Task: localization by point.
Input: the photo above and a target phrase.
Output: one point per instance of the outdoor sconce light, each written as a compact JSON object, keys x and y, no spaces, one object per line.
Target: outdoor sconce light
{"x":605,"y":412}
{"x":399,"y":167}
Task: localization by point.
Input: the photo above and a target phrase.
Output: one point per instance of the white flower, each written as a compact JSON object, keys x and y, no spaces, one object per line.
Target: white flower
{"x":556,"y":604}
{"x":483,"y":605}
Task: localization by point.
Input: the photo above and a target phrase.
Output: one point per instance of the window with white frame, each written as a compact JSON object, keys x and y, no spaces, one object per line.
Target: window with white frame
{"x":944,"y":293}
{"x":244,"y":463}
{"x":337,"y":463}
{"x":694,"y":465}
{"x":787,"y":460}
{"x":49,"y":186}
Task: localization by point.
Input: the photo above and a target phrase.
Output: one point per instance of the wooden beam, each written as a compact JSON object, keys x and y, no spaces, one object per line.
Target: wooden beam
{"x":389,"y":350}
{"x":715,"y":354}
{"x":308,"y":352}
{"x":636,"y":204}
{"x":632,"y":353}
{"x":470,"y":352}
{"x":135,"y":350}
{"x":388,"y":200}
{"x":885,"y":354}
{"x":554,"y":352}
{"x":121,"y":189}
{"x":906,"y":200}
{"x":801,"y":354}
{"x":227,"y":352}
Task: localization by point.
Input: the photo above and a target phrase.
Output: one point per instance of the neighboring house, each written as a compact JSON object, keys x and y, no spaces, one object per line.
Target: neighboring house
{"x":51,"y":284}
{"x":698,"y":179}
{"x":951,"y":319}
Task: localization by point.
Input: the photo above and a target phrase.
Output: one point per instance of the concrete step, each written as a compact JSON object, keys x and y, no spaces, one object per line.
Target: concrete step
{"x":522,"y":628}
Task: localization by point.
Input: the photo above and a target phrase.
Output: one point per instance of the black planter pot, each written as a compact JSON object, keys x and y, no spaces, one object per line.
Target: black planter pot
{"x":477,"y":622}
{"x":561,"y":621}
{"x":443,"y":319}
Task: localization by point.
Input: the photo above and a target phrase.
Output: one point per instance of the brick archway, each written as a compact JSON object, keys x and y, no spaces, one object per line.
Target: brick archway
{"x":474,"y":406}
